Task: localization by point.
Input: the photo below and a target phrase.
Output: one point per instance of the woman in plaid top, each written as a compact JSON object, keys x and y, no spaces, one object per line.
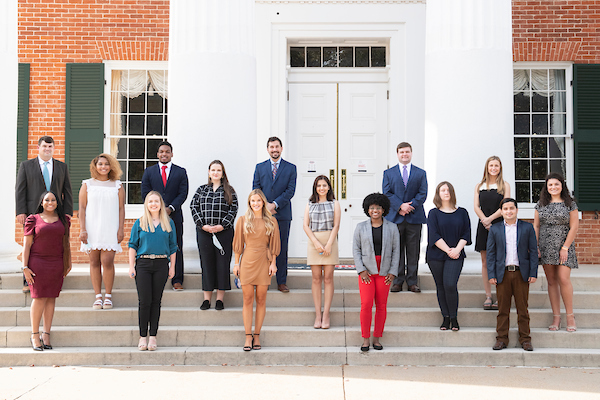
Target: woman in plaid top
{"x":214,"y":207}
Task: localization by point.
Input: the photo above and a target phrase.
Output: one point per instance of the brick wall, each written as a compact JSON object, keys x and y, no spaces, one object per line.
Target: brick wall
{"x":55,"y":32}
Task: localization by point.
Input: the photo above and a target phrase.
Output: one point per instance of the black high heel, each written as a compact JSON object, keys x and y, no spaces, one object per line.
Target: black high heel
{"x":445,"y":324}
{"x":454,"y":324}
{"x":248,"y":348}
{"x":36,"y":348}
{"x":44,"y":345}
{"x":256,"y":346}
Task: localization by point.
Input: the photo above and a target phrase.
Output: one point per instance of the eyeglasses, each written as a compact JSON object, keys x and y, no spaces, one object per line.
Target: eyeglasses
{"x":375,"y":208}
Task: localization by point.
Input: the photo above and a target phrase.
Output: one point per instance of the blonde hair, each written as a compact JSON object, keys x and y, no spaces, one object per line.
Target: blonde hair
{"x":115,"y":168}
{"x":146,"y":219}
{"x":266,"y":214}
{"x":486,"y":176}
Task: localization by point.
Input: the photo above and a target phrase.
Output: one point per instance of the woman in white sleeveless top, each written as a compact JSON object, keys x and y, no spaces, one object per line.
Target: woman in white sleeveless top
{"x":102,"y":218}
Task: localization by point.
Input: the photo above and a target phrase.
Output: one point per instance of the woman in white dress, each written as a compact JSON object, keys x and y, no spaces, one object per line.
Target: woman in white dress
{"x":101,"y":219}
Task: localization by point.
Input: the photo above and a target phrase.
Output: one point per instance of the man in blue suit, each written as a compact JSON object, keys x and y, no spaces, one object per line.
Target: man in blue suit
{"x":512,"y":263}
{"x":171,"y":181}
{"x":277,"y":179}
{"x":406,"y":187}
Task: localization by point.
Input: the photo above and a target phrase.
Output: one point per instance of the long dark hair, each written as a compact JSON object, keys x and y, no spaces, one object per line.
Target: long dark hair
{"x":63,"y":219}
{"x":314,"y":197}
{"x":227,"y":188}
{"x":546,"y":198}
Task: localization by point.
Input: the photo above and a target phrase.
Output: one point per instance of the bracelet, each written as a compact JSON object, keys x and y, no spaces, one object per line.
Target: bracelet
{"x":565,"y":248}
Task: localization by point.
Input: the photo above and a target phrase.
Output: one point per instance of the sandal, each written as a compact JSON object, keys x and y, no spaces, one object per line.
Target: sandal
{"x":256,"y":346}
{"x":445,"y":324}
{"x":248,"y":348}
{"x":98,"y":303}
{"x":142,"y":345}
{"x":108,"y":301}
{"x":152,"y":343}
{"x":553,"y":327}
{"x":487,"y":304}
{"x":571,"y":328}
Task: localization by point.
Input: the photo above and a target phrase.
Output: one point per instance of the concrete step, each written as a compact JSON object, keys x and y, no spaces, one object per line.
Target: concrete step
{"x":471,"y":356}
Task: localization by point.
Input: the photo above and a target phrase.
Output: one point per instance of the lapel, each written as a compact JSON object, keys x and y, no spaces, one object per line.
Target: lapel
{"x":383,"y":235}
{"x":38,"y":169}
{"x":369,"y":233}
{"x":503,"y":236}
{"x":518,"y":233}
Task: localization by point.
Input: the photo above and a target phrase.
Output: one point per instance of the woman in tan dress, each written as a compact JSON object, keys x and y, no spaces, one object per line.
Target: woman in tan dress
{"x":255,"y":246}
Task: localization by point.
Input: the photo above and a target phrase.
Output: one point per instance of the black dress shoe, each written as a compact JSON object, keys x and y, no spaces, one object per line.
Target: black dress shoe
{"x":499,"y":345}
{"x":205,"y":305}
{"x":364,"y":348}
{"x":527,"y":346}
{"x":396,"y":288}
{"x":219,"y":305}
{"x":414,"y":288}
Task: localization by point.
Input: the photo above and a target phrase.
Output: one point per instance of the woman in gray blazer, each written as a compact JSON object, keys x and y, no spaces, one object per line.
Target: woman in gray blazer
{"x":376,"y":250}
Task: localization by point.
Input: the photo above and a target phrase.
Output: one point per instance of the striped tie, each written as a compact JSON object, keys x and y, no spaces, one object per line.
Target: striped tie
{"x":274,"y":170}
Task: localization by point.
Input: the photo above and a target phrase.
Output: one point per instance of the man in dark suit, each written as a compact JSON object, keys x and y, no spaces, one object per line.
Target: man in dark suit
{"x":37,"y":175}
{"x":406,"y":187}
{"x":171,"y":181}
{"x":512,"y":263}
{"x":277,"y":179}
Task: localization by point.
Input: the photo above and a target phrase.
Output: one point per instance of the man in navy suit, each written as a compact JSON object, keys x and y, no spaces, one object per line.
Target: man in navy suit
{"x":406,"y":187}
{"x":277,"y":179}
{"x":512,"y":263}
{"x":171,"y":181}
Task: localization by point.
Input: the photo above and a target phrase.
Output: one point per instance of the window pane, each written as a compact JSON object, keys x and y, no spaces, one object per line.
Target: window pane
{"x":136,"y":170}
{"x":557,"y":147}
{"x":558,"y":124}
{"x":362,"y":57}
{"x":378,"y":57}
{"x":558,"y":102}
{"x":521,"y":124}
{"x":539,"y":102}
{"x":521,"y":148}
{"x":523,"y":192}
{"x":558,"y":81}
{"x":540,"y":124}
{"x":558,"y":166}
{"x":151,"y":163}
{"x":522,"y":171}
{"x":134,"y":193}
{"x":346,"y":57}
{"x":539,"y":148}
{"x":155,"y":104}
{"x":536,"y":190}
{"x":137,"y":149}
{"x":152,"y":148}
{"x":136,"y":124}
{"x":154,"y":125}
{"x":165,"y":126}
{"x":138,"y":104}
{"x":521,"y":79}
{"x":539,"y":78}
{"x":521,"y":102}
{"x":119,"y":147}
{"x":313,"y":56}
{"x":330,"y":56}
{"x":297,"y":56}
{"x":539,"y":169}
{"x":124,"y":103}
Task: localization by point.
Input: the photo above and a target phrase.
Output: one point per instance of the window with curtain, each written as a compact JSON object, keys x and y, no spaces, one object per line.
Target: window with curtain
{"x":138,"y":123}
{"x":540,"y":129}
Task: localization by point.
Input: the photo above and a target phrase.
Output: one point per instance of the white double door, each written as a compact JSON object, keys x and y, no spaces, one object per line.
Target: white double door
{"x":339,"y":130}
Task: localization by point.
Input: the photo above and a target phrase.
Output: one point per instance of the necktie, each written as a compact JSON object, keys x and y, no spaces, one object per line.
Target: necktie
{"x":164,"y":175}
{"x":46,"y":175}
{"x":274,"y":170}
{"x":405,"y":175}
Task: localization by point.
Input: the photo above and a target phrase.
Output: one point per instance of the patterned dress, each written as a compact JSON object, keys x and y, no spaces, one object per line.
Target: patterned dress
{"x":554,"y":228}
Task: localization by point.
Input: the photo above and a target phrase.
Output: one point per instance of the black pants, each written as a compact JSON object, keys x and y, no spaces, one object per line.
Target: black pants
{"x":410,"y":242}
{"x":150,"y":279}
{"x":446,"y":274}
{"x":178,"y":277}
{"x":215,"y":267}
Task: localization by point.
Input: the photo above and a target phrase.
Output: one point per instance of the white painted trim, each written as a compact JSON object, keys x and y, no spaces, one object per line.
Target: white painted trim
{"x":344,"y":2}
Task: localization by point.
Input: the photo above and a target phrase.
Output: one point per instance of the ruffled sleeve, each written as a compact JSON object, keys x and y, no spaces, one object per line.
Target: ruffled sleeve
{"x":29,"y":228}
{"x":274,"y":243}
{"x":238,"y":238}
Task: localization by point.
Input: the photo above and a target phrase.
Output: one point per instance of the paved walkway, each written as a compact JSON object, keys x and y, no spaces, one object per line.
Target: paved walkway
{"x":283,"y":383}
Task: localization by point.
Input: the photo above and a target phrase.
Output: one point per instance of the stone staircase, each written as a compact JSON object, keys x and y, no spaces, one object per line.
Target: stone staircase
{"x":189,"y":336}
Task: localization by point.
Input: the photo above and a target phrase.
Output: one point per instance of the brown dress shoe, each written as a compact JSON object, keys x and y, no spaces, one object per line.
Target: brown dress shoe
{"x":414,"y":289}
{"x":396,"y":288}
{"x":283,"y":288}
{"x":26,"y":289}
{"x":527,"y":346}
{"x":500,"y":345}
{"x":177,"y":287}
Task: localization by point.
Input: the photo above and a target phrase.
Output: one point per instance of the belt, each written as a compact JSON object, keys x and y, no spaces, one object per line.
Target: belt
{"x":512,"y":268}
{"x":153,"y":256}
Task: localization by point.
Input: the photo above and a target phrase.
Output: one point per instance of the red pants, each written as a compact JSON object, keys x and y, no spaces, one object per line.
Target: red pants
{"x":376,"y":290}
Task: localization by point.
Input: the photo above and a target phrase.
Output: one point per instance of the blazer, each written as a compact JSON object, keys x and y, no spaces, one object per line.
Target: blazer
{"x":415,"y":191}
{"x":526,"y":251}
{"x":174,"y":194}
{"x":279,"y":190}
{"x":363,"y":249}
{"x":30,"y":186}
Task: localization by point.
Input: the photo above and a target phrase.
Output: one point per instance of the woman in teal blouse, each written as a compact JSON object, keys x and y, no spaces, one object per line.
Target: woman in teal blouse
{"x":152,"y":245}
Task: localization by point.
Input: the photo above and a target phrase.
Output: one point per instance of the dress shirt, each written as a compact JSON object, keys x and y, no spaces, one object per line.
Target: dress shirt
{"x":512,"y":258}
{"x":401,"y":167}
{"x":50,"y":166}
{"x":168,"y":170}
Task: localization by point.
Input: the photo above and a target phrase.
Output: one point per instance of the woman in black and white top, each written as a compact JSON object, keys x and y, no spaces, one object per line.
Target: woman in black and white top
{"x":214,"y":207}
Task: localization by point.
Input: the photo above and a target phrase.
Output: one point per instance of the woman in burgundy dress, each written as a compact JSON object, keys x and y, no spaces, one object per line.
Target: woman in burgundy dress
{"x":46,"y":261}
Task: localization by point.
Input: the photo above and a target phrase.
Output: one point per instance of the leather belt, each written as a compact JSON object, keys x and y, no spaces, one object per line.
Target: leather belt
{"x":512,"y":268}
{"x":153,"y":256}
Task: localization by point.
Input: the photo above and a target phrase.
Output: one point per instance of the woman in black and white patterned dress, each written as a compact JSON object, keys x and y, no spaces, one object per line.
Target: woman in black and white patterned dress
{"x":556,"y":223}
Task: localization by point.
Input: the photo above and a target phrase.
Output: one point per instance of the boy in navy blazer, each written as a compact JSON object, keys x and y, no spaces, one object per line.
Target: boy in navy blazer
{"x":171,"y":181}
{"x":512,"y":263}
{"x":406,"y":187}
{"x":277,"y":179}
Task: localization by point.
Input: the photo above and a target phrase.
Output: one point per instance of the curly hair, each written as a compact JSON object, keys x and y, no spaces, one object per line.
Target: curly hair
{"x":115,"y":168}
{"x":377,"y":199}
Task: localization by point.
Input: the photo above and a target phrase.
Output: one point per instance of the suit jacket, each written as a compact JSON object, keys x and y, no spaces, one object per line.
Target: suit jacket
{"x":363,"y":249}
{"x":30,"y":186}
{"x":526,"y":251}
{"x":174,"y":194}
{"x":415,"y":191}
{"x":279,"y":190}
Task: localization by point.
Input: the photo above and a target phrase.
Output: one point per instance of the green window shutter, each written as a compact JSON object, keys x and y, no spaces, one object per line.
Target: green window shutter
{"x":22,"y":114}
{"x":84,"y":121}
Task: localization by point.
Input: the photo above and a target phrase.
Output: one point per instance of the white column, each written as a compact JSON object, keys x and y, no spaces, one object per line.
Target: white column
{"x":468,"y":93}
{"x":212,"y":96}
{"x":9,"y":62}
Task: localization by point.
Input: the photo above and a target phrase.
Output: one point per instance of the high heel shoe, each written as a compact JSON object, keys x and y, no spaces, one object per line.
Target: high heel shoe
{"x":142,"y":344}
{"x":36,"y":348}
{"x":571,"y":328}
{"x":248,"y":348}
{"x":256,"y":346}
{"x":445,"y":324}
{"x":44,"y":345}
{"x":553,"y":327}
{"x":152,"y":343}
{"x":454,"y":324}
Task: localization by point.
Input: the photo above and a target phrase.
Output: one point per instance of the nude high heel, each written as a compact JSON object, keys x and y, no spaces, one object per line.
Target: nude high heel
{"x":553,"y":327}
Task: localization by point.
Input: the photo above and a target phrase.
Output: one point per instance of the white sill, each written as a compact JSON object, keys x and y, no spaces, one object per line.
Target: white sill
{"x":133,"y":211}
